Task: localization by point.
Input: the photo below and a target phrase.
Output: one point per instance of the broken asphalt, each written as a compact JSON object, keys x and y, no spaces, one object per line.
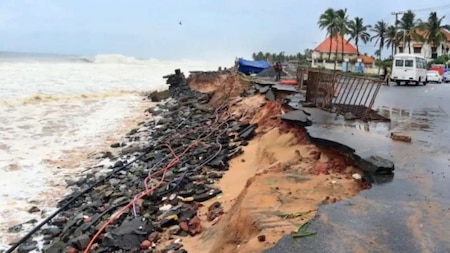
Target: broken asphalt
{"x":407,"y":212}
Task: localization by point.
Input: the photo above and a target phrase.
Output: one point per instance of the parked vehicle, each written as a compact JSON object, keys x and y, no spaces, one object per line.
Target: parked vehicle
{"x":446,"y":77}
{"x":434,"y":76}
{"x":409,"y":68}
{"x":439,"y":68}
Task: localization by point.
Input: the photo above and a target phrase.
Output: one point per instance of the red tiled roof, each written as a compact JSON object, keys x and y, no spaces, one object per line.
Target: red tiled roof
{"x":324,"y":47}
{"x":366,"y":59}
{"x":447,"y":34}
{"x":444,"y":31}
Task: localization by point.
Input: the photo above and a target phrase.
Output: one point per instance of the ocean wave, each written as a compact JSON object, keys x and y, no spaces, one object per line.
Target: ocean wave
{"x":123,"y":59}
{"x":42,"y":98}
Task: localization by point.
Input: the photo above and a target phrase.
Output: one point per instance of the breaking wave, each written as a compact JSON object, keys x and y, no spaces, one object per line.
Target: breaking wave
{"x":122,"y":59}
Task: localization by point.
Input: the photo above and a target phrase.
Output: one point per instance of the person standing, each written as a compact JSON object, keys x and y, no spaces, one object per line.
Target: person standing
{"x":387,"y":75}
{"x":278,"y":68}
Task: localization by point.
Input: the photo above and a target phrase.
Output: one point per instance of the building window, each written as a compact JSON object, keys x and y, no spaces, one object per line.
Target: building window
{"x":409,"y":63}
{"x":434,"y":52}
{"x":417,"y":50}
{"x":400,"y":50}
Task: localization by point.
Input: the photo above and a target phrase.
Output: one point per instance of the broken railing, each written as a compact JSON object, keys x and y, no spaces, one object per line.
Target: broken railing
{"x":343,"y":93}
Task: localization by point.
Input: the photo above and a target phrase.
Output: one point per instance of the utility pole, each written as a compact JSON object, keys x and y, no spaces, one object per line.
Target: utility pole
{"x":396,"y":21}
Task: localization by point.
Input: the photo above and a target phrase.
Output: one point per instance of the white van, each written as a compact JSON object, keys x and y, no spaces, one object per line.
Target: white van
{"x":409,"y":68}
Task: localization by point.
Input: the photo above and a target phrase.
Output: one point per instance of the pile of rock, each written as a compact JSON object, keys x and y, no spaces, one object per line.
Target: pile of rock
{"x":175,"y":80}
{"x":149,"y":205}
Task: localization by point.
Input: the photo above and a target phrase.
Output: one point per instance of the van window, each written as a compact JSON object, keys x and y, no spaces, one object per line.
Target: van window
{"x":425,"y":64}
{"x":409,"y":63}
{"x":399,"y":63}
{"x":418,"y":63}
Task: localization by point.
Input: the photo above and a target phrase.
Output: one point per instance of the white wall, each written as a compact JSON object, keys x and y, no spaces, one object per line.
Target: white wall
{"x":328,"y":65}
{"x":317,"y":55}
{"x":425,"y":52}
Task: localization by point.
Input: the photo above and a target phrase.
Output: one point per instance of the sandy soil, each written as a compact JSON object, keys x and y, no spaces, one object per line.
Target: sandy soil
{"x":278,"y":173}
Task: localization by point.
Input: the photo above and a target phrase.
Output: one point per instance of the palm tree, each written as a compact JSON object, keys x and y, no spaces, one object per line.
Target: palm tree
{"x":380,"y":30}
{"x":328,"y":22}
{"x":358,"y":32}
{"x":432,"y":31}
{"x":391,"y":37}
{"x":342,"y":27}
{"x":407,"y":25}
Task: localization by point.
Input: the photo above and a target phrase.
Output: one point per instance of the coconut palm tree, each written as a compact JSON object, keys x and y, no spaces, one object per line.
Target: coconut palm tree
{"x":380,"y":30}
{"x":358,"y":32}
{"x":328,"y":22}
{"x":408,"y":25}
{"x":342,"y":27}
{"x":392,"y":38}
{"x":432,"y":32}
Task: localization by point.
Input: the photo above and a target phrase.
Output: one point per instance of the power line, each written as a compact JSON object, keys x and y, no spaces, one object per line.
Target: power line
{"x":433,"y":8}
{"x":424,"y":9}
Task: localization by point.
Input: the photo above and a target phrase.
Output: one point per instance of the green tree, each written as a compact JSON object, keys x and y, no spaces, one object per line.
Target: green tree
{"x":342,"y":27}
{"x":308,"y":53}
{"x":407,"y":25}
{"x":378,"y":54}
{"x":432,"y":32}
{"x":379,"y":36}
{"x":328,"y":21}
{"x":281,"y":57}
{"x":358,"y":32}
{"x":392,"y":38}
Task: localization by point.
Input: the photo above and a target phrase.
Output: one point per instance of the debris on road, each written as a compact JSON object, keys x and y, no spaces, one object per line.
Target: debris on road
{"x":356,"y":176}
{"x":400,"y":137}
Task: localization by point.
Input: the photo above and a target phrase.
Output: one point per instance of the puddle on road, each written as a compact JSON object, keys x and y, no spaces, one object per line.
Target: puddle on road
{"x":408,"y":119}
{"x":401,"y":119}
{"x":424,"y":124}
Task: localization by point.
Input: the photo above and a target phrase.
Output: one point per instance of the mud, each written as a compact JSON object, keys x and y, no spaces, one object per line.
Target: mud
{"x":279,"y":174}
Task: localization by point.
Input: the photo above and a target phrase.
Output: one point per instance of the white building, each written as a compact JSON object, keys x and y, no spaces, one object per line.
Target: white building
{"x":424,"y":49}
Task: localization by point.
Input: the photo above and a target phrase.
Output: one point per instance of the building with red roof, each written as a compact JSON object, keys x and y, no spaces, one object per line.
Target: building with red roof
{"x":424,"y":49}
{"x":336,"y":44}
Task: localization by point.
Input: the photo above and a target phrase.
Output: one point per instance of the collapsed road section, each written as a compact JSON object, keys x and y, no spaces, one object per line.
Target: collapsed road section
{"x":226,"y":162}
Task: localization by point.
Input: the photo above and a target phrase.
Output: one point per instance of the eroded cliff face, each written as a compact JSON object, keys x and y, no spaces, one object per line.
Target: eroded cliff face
{"x":279,"y":181}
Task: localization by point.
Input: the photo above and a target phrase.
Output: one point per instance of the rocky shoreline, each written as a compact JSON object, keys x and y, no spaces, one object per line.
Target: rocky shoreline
{"x":149,"y":200}
{"x":154,"y":188}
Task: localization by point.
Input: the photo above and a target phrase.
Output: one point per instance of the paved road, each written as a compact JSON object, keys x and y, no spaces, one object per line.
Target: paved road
{"x":407,"y":213}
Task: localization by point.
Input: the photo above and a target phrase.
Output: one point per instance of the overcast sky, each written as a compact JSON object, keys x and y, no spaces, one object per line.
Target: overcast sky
{"x":210,"y":28}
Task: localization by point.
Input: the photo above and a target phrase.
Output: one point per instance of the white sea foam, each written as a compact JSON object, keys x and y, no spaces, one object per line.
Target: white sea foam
{"x":50,"y":109}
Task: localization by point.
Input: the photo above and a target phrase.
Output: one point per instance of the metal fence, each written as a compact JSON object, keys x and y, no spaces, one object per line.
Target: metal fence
{"x":342,"y":93}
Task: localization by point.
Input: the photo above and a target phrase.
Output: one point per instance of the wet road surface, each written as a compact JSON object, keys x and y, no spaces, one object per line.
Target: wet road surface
{"x":407,"y":213}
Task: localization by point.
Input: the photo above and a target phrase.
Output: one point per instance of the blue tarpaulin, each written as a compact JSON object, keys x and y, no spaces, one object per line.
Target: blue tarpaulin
{"x":248,"y":67}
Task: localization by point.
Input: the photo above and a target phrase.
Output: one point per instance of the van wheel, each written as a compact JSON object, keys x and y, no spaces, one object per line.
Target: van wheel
{"x":397,"y":82}
{"x":426,"y":81}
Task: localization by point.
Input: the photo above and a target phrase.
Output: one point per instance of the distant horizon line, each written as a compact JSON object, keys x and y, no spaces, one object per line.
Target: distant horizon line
{"x":37,"y":53}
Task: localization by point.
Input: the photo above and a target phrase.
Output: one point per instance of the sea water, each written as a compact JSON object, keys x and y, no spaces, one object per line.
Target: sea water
{"x":55,"y":111}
